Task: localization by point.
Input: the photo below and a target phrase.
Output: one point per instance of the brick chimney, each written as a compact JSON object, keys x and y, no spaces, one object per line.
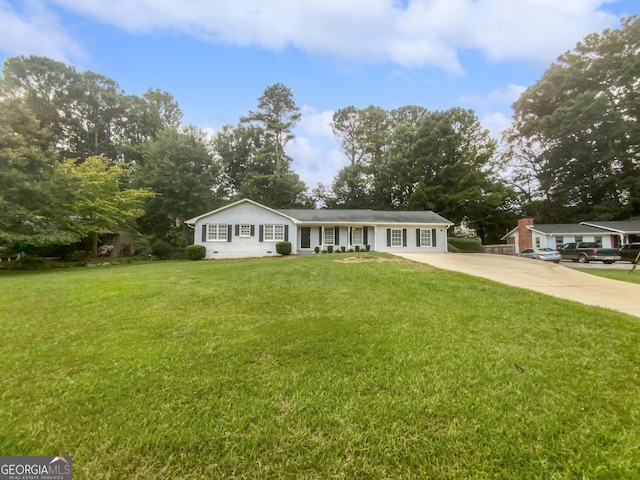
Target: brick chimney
{"x":525,"y":239}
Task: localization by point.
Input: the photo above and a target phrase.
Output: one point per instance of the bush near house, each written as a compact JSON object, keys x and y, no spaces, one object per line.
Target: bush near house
{"x":161,"y":250}
{"x":283,"y":248}
{"x":464,"y":245}
{"x":196,"y":252}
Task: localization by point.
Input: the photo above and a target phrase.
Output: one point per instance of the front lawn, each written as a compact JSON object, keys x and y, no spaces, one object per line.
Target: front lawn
{"x":331,"y":366}
{"x":621,"y":275}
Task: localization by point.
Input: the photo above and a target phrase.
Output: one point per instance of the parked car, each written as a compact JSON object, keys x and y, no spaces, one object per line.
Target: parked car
{"x":584,"y":252}
{"x":630,"y":252}
{"x":546,"y":254}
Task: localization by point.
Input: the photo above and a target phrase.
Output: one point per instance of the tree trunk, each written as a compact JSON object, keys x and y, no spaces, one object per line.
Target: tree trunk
{"x":94,"y":245}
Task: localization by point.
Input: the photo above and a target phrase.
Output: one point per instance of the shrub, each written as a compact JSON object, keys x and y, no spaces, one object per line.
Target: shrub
{"x":27,"y":262}
{"x":367,"y":247}
{"x":357,"y":248}
{"x":343,"y":248}
{"x":316,"y":249}
{"x":196,"y":252}
{"x":161,"y":250}
{"x":283,"y":248}
{"x":464,"y":245}
{"x":330,"y":248}
{"x":453,"y":248}
{"x":142,"y":246}
{"x":175,"y":236}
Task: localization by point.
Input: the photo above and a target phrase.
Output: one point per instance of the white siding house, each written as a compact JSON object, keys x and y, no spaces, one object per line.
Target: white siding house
{"x":248,"y":229}
{"x":528,"y":235}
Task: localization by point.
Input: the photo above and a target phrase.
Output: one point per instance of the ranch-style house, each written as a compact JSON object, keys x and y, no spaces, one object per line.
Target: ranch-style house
{"x":247,"y":229}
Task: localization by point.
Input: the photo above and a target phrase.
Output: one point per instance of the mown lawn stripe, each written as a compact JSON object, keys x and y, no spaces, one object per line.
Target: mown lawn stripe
{"x":313,"y":367}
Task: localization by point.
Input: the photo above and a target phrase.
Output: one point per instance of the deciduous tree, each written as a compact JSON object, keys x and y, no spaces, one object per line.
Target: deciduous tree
{"x":95,"y":199}
{"x":575,"y":139}
{"x":30,"y":213}
{"x":180,"y":167}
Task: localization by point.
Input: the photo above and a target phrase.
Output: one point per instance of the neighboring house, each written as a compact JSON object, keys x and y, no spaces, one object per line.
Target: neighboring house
{"x":606,"y":234}
{"x":628,"y":231}
{"x":121,"y":237}
{"x":248,"y":229}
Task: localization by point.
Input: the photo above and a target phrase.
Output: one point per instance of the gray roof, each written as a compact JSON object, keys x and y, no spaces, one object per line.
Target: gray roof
{"x":627,"y":226}
{"x":364,"y":216}
{"x":565,"y":229}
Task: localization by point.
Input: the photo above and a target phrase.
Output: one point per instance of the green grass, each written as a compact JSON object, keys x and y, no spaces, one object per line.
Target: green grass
{"x":622,"y":275}
{"x":312,"y":368}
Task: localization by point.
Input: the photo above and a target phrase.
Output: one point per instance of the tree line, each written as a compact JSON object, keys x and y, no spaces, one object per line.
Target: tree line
{"x":79,"y":155}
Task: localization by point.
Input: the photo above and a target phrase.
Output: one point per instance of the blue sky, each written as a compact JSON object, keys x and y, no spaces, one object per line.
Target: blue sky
{"x":216,"y":57}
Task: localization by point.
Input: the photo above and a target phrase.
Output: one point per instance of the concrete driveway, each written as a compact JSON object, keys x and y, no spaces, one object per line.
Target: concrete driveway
{"x":544,"y":277}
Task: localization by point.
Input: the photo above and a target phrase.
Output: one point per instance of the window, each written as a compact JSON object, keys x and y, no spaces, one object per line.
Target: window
{"x":598,"y":240}
{"x":425,"y":237}
{"x":559,"y":241}
{"x":329,"y":237}
{"x":537,"y":242}
{"x":245,"y":230}
{"x":579,"y":238}
{"x":274,"y":233}
{"x":217,"y":233}
{"x":396,"y":237}
{"x":356,"y":236}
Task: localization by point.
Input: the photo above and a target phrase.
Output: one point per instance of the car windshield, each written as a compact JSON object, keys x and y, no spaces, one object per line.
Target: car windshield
{"x":545,"y":249}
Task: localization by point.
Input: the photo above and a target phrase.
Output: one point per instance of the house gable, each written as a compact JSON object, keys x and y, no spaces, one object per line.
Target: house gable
{"x":192,"y":221}
{"x":242,"y":229}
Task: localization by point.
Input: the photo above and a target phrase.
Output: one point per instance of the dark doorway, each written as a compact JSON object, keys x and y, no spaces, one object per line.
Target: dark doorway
{"x":305,"y":237}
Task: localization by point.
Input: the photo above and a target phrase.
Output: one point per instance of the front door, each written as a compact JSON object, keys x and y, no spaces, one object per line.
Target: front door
{"x":305,"y":237}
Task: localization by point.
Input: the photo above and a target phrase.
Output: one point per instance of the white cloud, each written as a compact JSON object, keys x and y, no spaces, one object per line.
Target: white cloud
{"x":495,"y":122}
{"x":314,"y":123}
{"x":209,"y":133}
{"x":500,"y":97}
{"x":533,"y":29}
{"x":35,"y":31}
{"x":315,"y":161}
{"x":315,"y":154}
{"x":495,"y":104}
{"x":507,"y":95}
{"x":414,"y":34}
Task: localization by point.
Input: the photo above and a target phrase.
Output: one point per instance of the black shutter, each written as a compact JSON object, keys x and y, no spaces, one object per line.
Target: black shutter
{"x":418,"y":237}
{"x":350,"y":235}
{"x":204,"y":233}
{"x":320,"y":242}
{"x":286,"y":233}
{"x":253,"y":230}
{"x":237,"y":230}
{"x":433,"y":237}
{"x":229,"y":231}
{"x":261,"y":236}
{"x":404,"y":237}
{"x":365,"y":235}
{"x":388,"y":237}
{"x":336,"y":231}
